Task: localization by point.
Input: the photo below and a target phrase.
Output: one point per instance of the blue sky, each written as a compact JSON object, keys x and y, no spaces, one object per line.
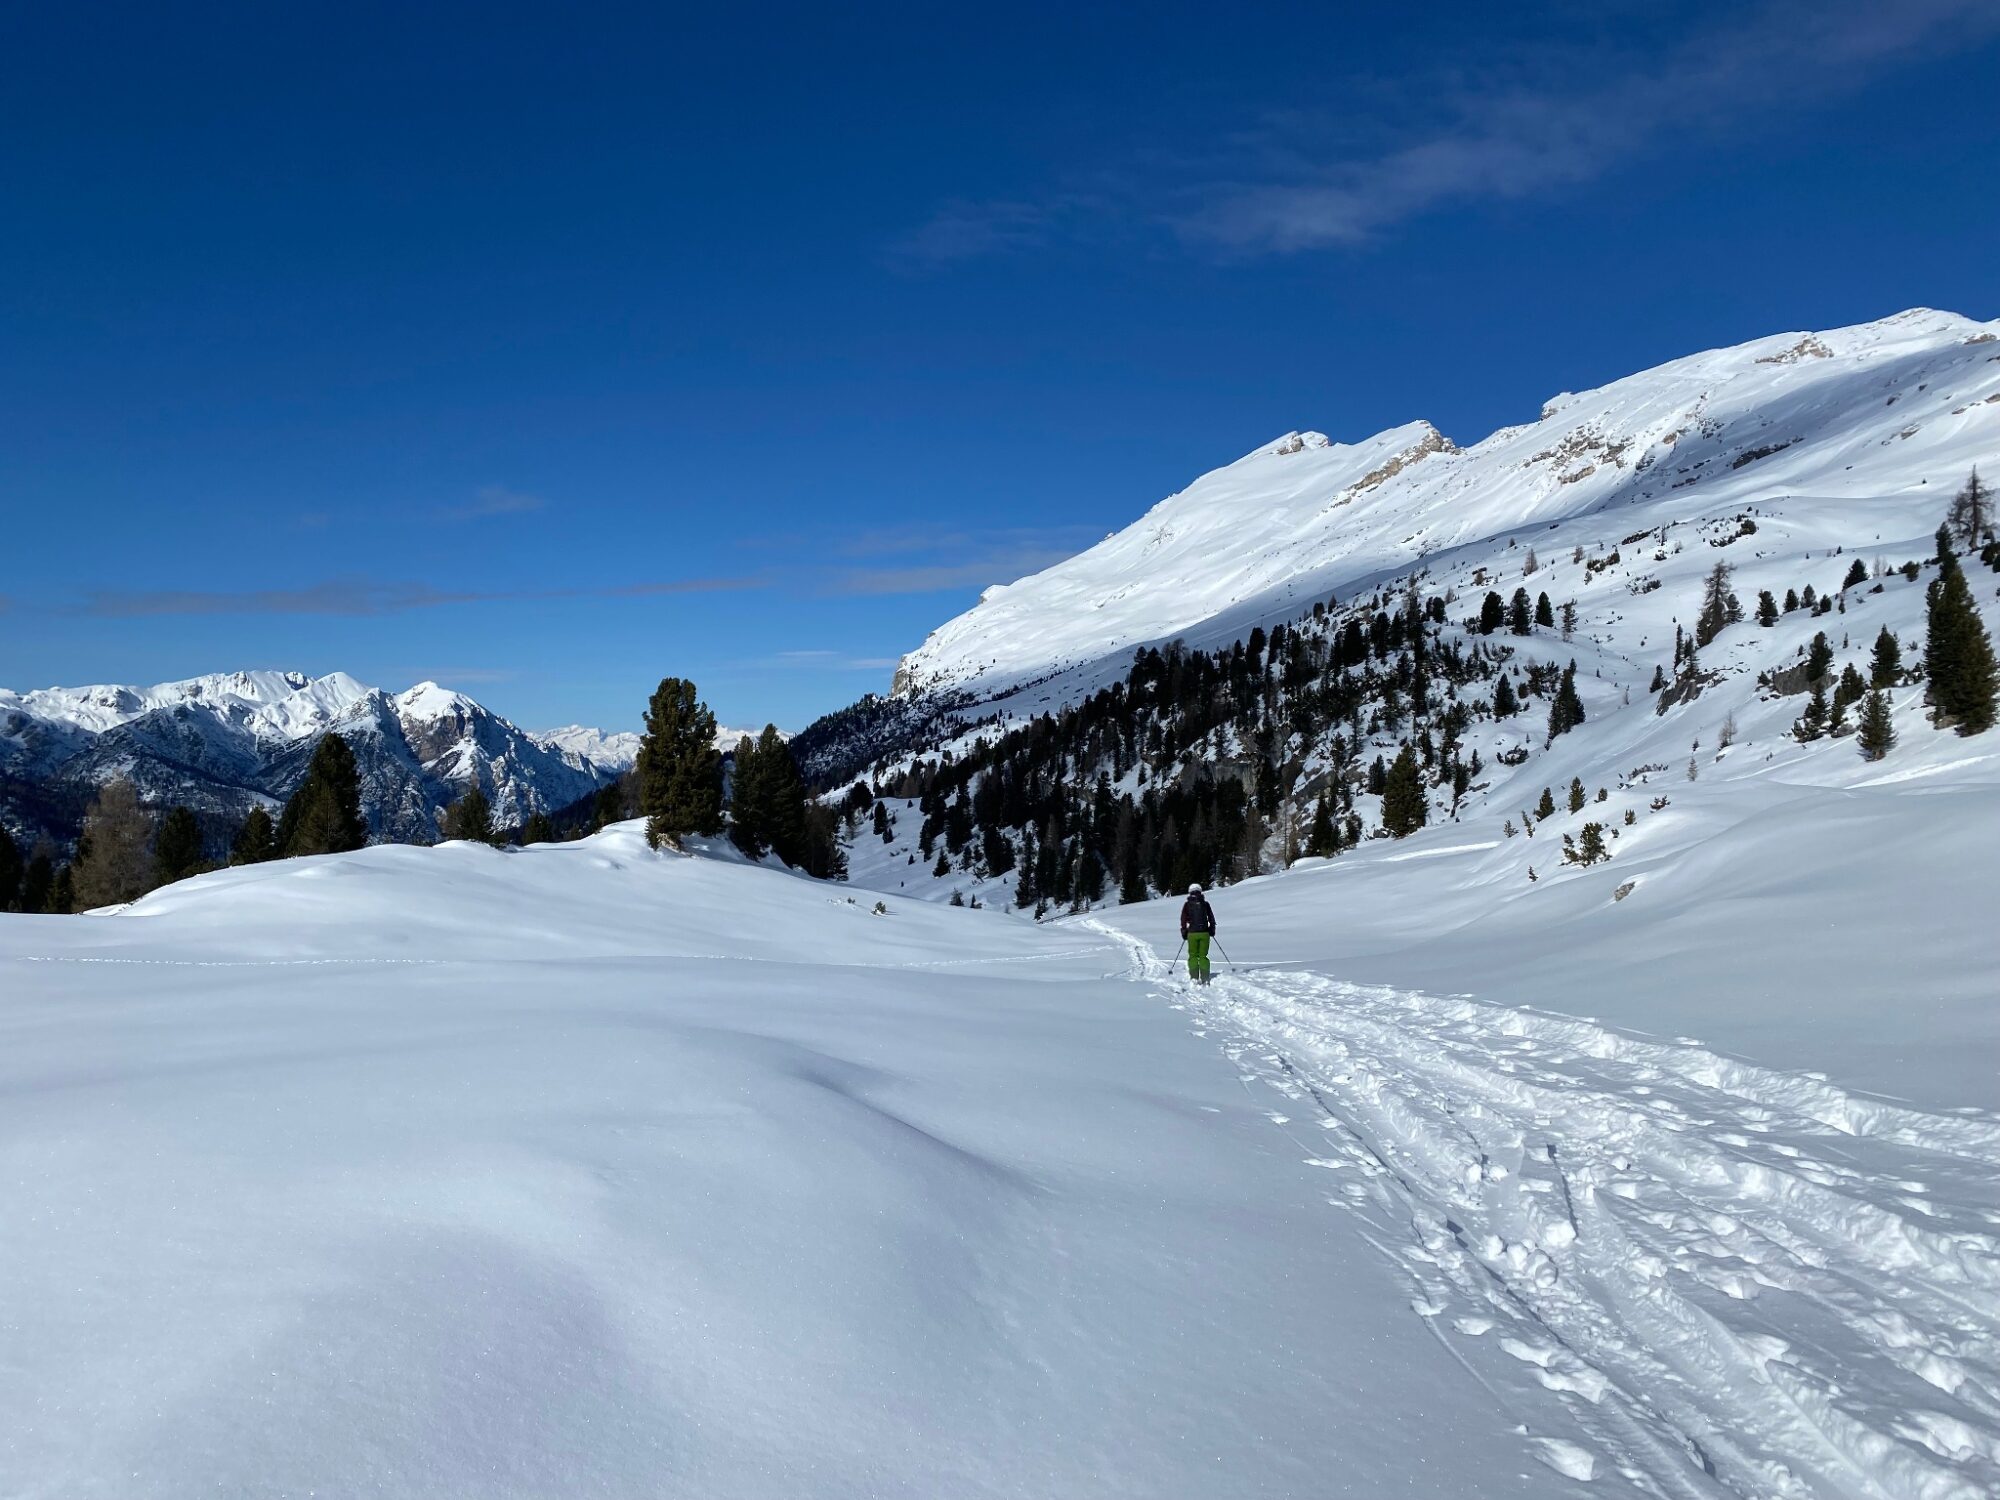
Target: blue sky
{"x":548,"y":352}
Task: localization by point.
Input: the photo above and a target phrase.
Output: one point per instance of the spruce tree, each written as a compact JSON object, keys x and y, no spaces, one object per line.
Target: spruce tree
{"x":1877,"y":734}
{"x":1323,"y":840}
{"x":470,"y":817}
{"x":1791,"y":600}
{"x":323,"y":816}
{"x":1404,"y":808}
{"x":1491,"y":613}
{"x":1812,"y":723}
{"x":1546,"y":807}
{"x":256,"y":841}
{"x":1567,"y":710}
{"x":1819,"y":657}
{"x":1577,"y":796}
{"x":782,"y":799}
{"x":177,"y":851}
{"x":539,"y":829}
{"x":1888,"y":661}
{"x":1519,"y":619}
{"x":1767,"y":609}
{"x":11,"y":868}
{"x":1959,"y":654}
{"x":1504,"y":701}
{"x":1970,"y":519}
{"x":1857,"y":572}
{"x":1545,"y":614}
{"x":680,"y":771}
{"x":62,"y":892}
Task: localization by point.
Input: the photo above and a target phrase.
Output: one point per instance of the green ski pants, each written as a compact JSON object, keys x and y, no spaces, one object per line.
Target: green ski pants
{"x":1197,"y":955}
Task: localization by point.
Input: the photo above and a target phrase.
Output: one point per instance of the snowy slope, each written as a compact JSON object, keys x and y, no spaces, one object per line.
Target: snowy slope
{"x":218,"y":744}
{"x":1846,"y":417}
{"x":583,"y":1170}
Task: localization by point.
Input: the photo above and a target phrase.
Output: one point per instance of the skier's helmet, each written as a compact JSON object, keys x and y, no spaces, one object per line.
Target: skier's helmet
{"x":1194,"y":890}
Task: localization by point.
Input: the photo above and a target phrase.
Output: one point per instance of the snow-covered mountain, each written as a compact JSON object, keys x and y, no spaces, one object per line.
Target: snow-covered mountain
{"x":1824,"y":431}
{"x":219,"y":744}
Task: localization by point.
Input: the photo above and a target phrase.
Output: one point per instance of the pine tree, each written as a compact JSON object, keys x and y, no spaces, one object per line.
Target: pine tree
{"x":1323,"y":841}
{"x":1567,"y":710}
{"x":1970,"y":519}
{"x":1791,"y":600}
{"x":1491,"y":613}
{"x":256,"y":841}
{"x":1767,"y":609}
{"x":114,"y":856}
{"x":1404,"y":807}
{"x":1857,"y":572}
{"x":1546,"y":808}
{"x":62,"y":892}
{"x":470,"y":817}
{"x":1576,"y":794}
{"x":1959,"y":654}
{"x":680,"y":772}
{"x":38,"y":883}
{"x":1568,"y":618}
{"x":1519,"y":618}
{"x":323,"y":816}
{"x":1877,"y":735}
{"x":1888,"y":663}
{"x":1819,"y":657}
{"x":1545,"y":614}
{"x":943,"y":866}
{"x":782,"y":802}
{"x":1719,"y":606}
{"x":609,"y":807}
{"x":539,"y":829}
{"x":1504,"y":701}
{"x":1590,"y":847}
{"x":1812,"y":723}
{"x":749,"y":822}
{"x":11,"y":868}
{"x":177,"y":848}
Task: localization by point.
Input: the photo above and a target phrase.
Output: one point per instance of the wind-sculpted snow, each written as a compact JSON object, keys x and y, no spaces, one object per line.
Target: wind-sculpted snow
{"x":1737,"y":1281}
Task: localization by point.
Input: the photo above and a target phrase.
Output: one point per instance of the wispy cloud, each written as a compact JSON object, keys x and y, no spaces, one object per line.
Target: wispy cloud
{"x":363,"y":596}
{"x":939,"y":577}
{"x":825,"y":661}
{"x":1301,"y":182}
{"x":493,"y":500}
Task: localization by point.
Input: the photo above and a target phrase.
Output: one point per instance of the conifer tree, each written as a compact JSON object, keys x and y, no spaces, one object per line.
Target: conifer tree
{"x":1491,"y":613}
{"x":470,"y":817}
{"x":256,"y":841}
{"x":749,"y":826}
{"x":1970,"y":519}
{"x":38,"y":880}
{"x":680,"y":771}
{"x":1504,"y":702}
{"x":1545,"y":614}
{"x":1323,"y":840}
{"x":1959,"y":653}
{"x":1546,"y":808}
{"x":1567,"y":710}
{"x":1719,"y":606}
{"x":11,"y":868}
{"x":539,"y":829}
{"x":1791,"y":600}
{"x":1576,"y":794}
{"x":1519,"y":619}
{"x":1659,"y":683}
{"x":176,"y":847}
{"x":943,"y":866}
{"x":1857,"y":572}
{"x":1809,"y":600}
{"x":323,"y":816}
{"x":1812,"y":723}
{"x":62,"y":892}
{"x":782,"y":800}
{"x":1404,"y":807}
{"x":609,"y":807}
{"x":1819,"y":657}
{"x":1767,"y":609}
{"x":1888,"y":661}
{"x":114,"y":855}
{"x":1877,"y":734}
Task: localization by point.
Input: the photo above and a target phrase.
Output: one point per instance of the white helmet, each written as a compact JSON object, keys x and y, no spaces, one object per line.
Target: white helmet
{"x":1194,"y":890}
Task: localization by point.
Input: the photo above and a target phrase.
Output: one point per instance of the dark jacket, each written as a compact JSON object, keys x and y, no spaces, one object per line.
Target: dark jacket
{"x":1197,"y":915}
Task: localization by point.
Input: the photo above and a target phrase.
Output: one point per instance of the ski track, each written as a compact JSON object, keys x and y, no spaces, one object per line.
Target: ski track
{"x":1698,"y":1256}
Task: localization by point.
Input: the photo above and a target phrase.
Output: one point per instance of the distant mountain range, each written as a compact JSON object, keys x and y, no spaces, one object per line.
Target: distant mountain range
{"x":223,"y":743}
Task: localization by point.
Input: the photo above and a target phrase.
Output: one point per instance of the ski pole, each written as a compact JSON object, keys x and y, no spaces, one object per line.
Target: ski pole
{"x":1225,"y":955}
{"x":1177,"y":953}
